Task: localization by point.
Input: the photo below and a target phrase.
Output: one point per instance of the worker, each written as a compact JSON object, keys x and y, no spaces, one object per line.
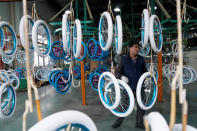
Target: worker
{"x":131,"y":66}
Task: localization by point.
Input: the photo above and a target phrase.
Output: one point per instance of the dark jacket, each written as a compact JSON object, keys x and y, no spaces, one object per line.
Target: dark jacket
{"x":131,"y":69}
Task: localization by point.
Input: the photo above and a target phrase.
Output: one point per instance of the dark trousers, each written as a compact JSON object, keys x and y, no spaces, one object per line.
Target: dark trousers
{"x":139,"y":115}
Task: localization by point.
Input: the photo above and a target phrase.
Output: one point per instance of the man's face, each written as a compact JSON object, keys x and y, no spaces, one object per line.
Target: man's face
{"x":134,"y":49}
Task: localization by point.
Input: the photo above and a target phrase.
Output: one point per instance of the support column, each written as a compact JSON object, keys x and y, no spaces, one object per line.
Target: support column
{"x":82,"y":63}
{"x":159,"y":59}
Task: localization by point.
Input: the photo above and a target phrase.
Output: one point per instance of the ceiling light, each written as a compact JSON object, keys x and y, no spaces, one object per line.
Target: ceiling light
{"x":117,"y":9}
{"x":155,"y":7}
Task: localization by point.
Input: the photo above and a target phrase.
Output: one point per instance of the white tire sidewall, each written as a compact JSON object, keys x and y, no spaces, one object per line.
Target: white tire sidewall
{"x":117,"y":90}
{"x":35,"y":38}
{"x":79,"y":39}
{"x":151,"y":34}
{"x":110,"y":31}
{"x":120,"y":34}
{"x":138,"y":91}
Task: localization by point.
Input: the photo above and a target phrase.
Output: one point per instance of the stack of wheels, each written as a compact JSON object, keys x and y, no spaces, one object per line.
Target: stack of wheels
{"x":60,"y":80}
{"x":147,"y":90}
{"x":43,"y":73}
{"x":94,"y":77}
{"x":94,"y":50}
{"x":20,"y":56}
{"x":57,"y":52}
{"x":7,"y":94}
{"x":77,"y":72}
{"x":63,"y":119}
{"x":189,"y":74}
{"x":110,"y":92}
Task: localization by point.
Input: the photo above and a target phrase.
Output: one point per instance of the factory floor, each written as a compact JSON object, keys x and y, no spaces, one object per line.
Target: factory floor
{"x":52,"y":102}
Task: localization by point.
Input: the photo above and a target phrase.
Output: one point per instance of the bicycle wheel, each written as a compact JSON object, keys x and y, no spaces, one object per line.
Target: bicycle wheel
{"x":146,"y":91}
{"x":7,"y":60}
{"x":62,"y":119}
{"x":42,"y":74}
{"x":144,"y":51}
{"x":113,"y":93}
{"x":22,"y":31}
{"x":157,"y":122}
{"x":84,"y":52}
{"x":14,"y":81}
{"x":51,"y":76}
{"x":94,"y":79}
{"x":61,"y":85}
{"x":105,"y":31}
{"x":57,"y":52}
{"x":77,"y":38}
{"x":41,"y":38}
{"x":155,"y":34}
{"x":8,"y":45}
{"x":118,"y":34}
{"x":66,"y":36}
{"x":7,"y":100}
{"x":92,"y":48}
{"x":145,"y":28}
{"x":127,"y":100}
{"x":20,"y":56}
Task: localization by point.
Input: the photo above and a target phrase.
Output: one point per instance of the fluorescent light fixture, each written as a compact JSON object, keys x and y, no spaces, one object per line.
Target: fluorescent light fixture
{"x":68,"y":12}
{"x":117,"y":9}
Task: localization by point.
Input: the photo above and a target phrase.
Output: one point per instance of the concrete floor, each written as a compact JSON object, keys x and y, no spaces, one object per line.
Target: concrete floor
{"x":52,"y":102}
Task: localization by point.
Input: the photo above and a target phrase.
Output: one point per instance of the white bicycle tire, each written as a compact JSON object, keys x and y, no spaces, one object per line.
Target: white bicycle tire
{"x":117,"y":90}
{"x":110,"y":30}
{"x":151,"y":34}
{"x":34,"y":38}
{"x":22,"y":29}
{"x":3,"y":86}
{"x":145,"y":16}
{"x":2,"y":23}
{"x":59,"y":119}
{"x":178,"y":127}
{"x":65,"y":41}
{"x":119,"y":35}
{"x":157,"y":122}
{"x":138,"y":91}
{"x":131,"y":99}
{"x":79,"y":39}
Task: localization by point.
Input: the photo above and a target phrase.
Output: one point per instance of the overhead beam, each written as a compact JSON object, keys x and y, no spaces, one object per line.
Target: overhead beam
{"x":163,"y":9}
